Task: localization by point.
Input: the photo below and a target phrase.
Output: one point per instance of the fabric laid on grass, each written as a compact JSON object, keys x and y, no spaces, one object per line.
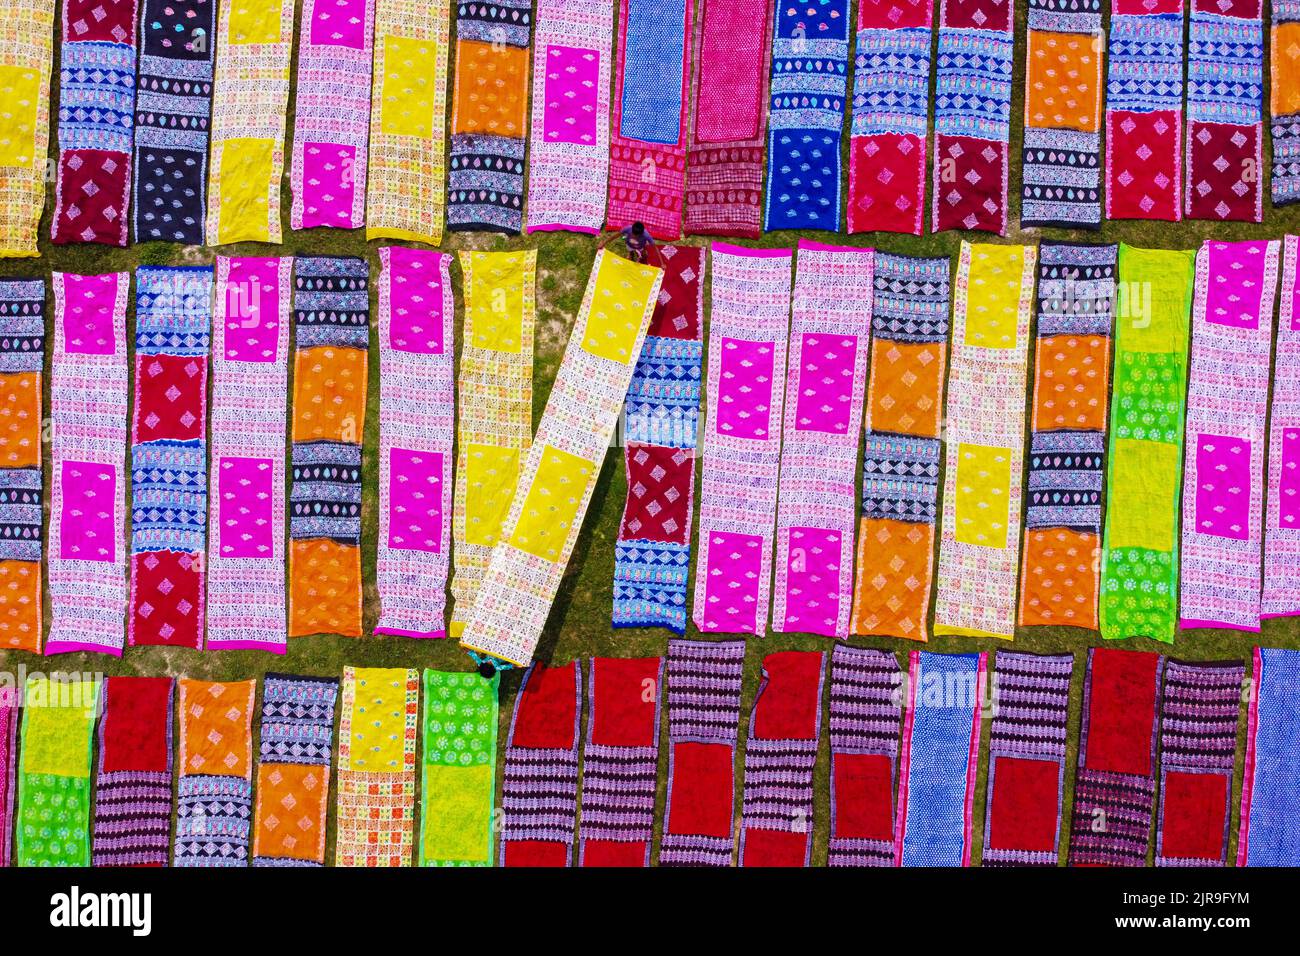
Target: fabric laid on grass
{"x":1027,"y":750}
{"x":1139,"y":557}
{"x":331,"y":304}
{"x":52,"y":823}
{"x":568,"y":145}
{"x":214,"y":795}
{"x":1269,"y":826}
{"x":652,"y":556}
{"x":1225,"y":111}
{"x":249,"y":105}
{"x":22,"y":359}
{"x":900,"y":485}
{"x":1116,"y":778}
{"x":378,"y":725}
{"x":810,"y":61}
{"x":1198,"y":748}
{"x":416,"y":428}
{"x":620,"y":761}
{"x":25,"y":66}
{"x":559,"y":474}
{"x":133,"y":786}
{"x":704,"y":681}
{"x":495,"y":426}
{"x":728,"y":125}
{"x":329,"y":166}
{"x":1227,"y":406}
{"x":941,"y":739}
{"x":458,"y":777}
{"x":293,"y":775}
{"x":97,"y":92}
{"x":830,"y":337}
{"x":1284,"y":100}
{"x":1059,"y":577}
{"x":979,"y":554}
{"x":1281,"y":581}
{"x":86,"y":563}
{"x":9,"y":711}
{"x":748,"y":333}
{"x":648,"y":135}
{"x":780,"y":756}
{"x":539,"y":787}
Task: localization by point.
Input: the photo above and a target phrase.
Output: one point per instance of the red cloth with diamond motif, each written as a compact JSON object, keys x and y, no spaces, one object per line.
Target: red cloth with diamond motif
{"x":93,"y":192}
{"x":166,"y":599}
{"x":170,"y":398}
{"x":886,"y":183}
{"x":970,"y":185}
{"x":1143,"y":166}
{"x":1224,"y":161}
{"x":659,"y":483}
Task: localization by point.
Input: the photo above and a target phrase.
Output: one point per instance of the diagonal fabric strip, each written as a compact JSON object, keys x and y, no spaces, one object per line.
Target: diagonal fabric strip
{"x":169,"y":456}
{"x":458,"y":777}
{"x":1198,"y":747}
{"x":568,"y":144}
{"x":979,"y":555}
{"x":97,"y":87}
{"x":215,"y":791}
{"x":830,"y":337}
{"x":1281,"y":579}
{"x":941,"y":739}
{"x":249,"y":104}
{"x":1227,"y":405}
{"x":52,"y":823}
{"x":495,"y":425}
{"x":1139,"y":558}
{"x":1284,"y":100}
{"x":22,"y":360}
{"x":652,"y":556}
{"x":1027,"y":752}
{"x":780,"y":757}
{"x":1269,"y":826}
{"x":133,"y":785}
{"x":704,"y":682}
{"x":748,"y":333}
{"x":332,"y":114}
{"x":293,"y":775}
{"x":416,"y":428}
{"x":728,"y":124}
{"x":25,"y":65}
{"x":1059,"y":576}
{"x":559,"y":475}
{"x":539,"y":786}
{"x":9,"y":710}
{"x":900,"y":485}
{"x":648,"y":136}
{"x":86,"y":564}
{"x":406,"y":187}
{"x":1114,"y":785}
{"x":620,"y":761}
{"x":376,"y":786}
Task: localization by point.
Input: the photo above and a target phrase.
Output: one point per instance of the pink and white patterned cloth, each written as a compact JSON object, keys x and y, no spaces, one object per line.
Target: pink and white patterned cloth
{"x":1281,"y":592}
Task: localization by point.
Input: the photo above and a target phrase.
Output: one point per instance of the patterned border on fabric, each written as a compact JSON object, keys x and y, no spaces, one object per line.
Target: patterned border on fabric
{"x":26,"y":61}
{"x":9,"y":710}
{"x":1281,"y":579}
{"x":1268,"y":832}
{"x":214,"y":805}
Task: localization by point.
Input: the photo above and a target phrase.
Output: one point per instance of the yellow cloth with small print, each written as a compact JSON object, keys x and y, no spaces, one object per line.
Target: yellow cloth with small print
{"x":26,"y":58}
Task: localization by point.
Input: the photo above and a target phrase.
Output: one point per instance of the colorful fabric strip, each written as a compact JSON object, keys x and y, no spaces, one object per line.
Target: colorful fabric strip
{"x":1027,"y":744}
{"x":416,"y":427}
{"x":133,"y":787}
{"x":169,"y":456}
{"x":25,"y":65}
{"x":704,"y":679}
{"x":830,"y":337}
{"x":1198,"y":747}
{"x":86,"y":563}
{"x":941,"y":738}
{"x":1076,"y":293}
{"x":620,"y":761}
{"x":332,"y":114}
{"x":376,"y":789}
{"x":647,"y":157}
{"x":900,"y":485}
{"x":8,"y":770}
{"x":652,"y":557}
{"x":748,"y":334}
{"x":1227,"y":405}
{"x":215,"y":790}
{"x":1139,"y":557}
{"x":1281,"y":582}
{"x":560,"y":472}
{"x":1269,"y":826}
{"x":979,"y":555}
{"x":458,"y":779}
{"x":249,"y":105}
{"x":568,"y":148}
{"x":1284,"y":105}
{"x":1114,"y":786}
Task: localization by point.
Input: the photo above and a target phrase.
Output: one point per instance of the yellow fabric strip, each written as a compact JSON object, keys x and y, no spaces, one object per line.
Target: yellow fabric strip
{"x":26,"y":57}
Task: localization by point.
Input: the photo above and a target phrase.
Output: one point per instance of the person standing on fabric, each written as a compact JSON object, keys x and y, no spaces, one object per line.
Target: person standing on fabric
{"x":637,"y":238}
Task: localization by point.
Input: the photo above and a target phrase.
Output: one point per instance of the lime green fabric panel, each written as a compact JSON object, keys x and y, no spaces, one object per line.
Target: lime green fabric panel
{"x":53,"y":820}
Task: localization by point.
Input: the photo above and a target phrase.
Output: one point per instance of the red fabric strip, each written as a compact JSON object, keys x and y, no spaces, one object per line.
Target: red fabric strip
{"x":863,"y":791}
{"x":613,"y":853}
{"x":625,"y":701}
{"x":1026,"y":797}
{"x":788,"y":704}
{"x":135,"y":731}
{"x":1194,"y":807}
{"x":775,"y":848}
{"x":536,"y":853}
{"x":1121,"y":711}
{"x":702,"y":797}
{"x":548,"y":709}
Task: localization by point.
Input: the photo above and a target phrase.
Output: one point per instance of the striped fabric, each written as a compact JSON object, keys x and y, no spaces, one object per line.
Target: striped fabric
{"x":26,"y":61}
{"x":1281,"y":579}
{"x":1269,"y":825}
{"x":1284,"y":105}
{"x":214,"y":795}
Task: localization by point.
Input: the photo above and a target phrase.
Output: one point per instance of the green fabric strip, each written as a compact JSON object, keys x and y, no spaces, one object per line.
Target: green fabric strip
{"x":1139,"y":559}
